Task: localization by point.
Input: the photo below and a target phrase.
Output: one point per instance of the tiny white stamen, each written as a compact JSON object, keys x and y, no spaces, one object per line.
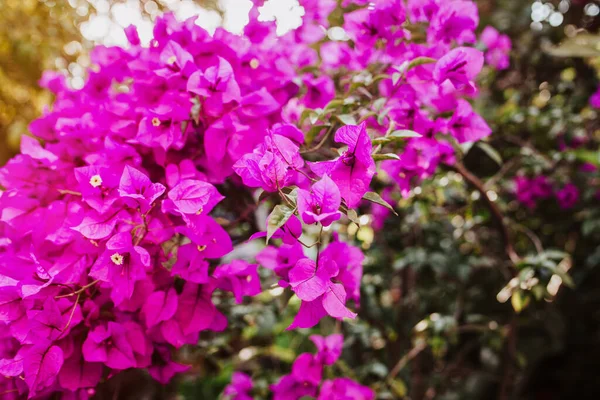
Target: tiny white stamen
{"x":117,"y":259}
{"x":96,"y":181}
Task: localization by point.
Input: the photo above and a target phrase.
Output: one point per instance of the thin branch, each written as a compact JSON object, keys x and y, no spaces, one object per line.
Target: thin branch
{"x":71,"y":314}
{"x":321,"y":143}
{"x":415,"y":351}
{"x":494,"y":209}
{"x":531,"y":235}
{"x":66,"y":191}
{"x":77,"y":292}
{"x":500,"y":174}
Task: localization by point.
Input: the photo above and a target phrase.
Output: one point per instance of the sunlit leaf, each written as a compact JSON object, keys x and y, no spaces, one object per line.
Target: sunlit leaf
{"x":387,"y":156}
{"x":377,"y":199}
{"x":278,"y":217}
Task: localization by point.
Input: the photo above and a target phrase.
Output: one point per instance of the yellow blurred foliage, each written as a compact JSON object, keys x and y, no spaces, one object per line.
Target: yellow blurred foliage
{"x":32,"y":38}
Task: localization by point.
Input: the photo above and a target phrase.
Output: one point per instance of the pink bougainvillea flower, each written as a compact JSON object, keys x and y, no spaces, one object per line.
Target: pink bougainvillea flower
{"x":307,"y":368}
{"x":422,"y":10}
{"x":454,"y":21}
{"x":281,"y":259}
{"x":209,"y":237}
{"x":239,"y":388}
{"x":353,"y":171}
{"x":303,"y":381}
{"x":41,"y":365}
{"x":344,"y":388}
{"x":98,"y":186}
{"x":165,"y":368}
{"x":320,"y":296}
{"x":137,"y":186}
{"x":216,"y":86}
{"x":568,"y":196}
{"x":191,"y":264}
{"x":458,"y":69}
{"x":288,"y":388}
{"x":159,"y":306}
{"x":272,"y":165}
{"x":162,"y":126}
{"x":195,"y":311}
{"x":531,"y":190}
{"x":121,"y":265}
{"x":466,"y":125}
{"x":310,"y":281}
{"x":76,"y":373}
{"x":110,"y":344}
{"x":498,"y":48}
{"x":319,"y":91}
{"x":238,"y":277}
{"x":194,"y":197}
{"x":329,"y":349}
{"x":349,"y":260}
{"x":321,"y":203}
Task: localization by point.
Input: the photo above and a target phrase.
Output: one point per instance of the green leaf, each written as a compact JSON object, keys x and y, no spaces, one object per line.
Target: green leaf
{"x":491,"y":152}
{"x":377,"y":199}
{"x":312,"y":115}
{"x":380,"y":140}
{"x":353,"y":216}
{"x":399,"y":387}
{"x":333,"y":104}
{"x":314,"y":132}
{"x":380,"y":77}
{"x":589,"y":156}
{"x":346,"y":119}
{"x":519,"y":301}
{"x":278,"y":217}
{"x":379,"y":103}
{"x":382,"y":115}
{"x":293,"y":195}
{"x":582,"y":45}
{"x":386,"y":156}
{"x":350,"y":213}
{"x":403,"y":133}
{"x":554,"y":254}
{"x":396,"y":76}
{"x":419,"y":61}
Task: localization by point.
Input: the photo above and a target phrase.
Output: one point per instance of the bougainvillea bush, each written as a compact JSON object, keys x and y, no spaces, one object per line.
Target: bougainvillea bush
{"x":204,"y":169}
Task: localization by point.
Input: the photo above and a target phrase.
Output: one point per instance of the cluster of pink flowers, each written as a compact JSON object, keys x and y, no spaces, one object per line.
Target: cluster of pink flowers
{"x":306,"y":377}
{"x":530,"y":191}
{"x":115,"y":220}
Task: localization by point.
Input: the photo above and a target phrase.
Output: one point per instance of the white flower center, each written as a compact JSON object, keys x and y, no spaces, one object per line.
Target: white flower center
{"x":96,"y":181}
{"x":117,"y":259}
